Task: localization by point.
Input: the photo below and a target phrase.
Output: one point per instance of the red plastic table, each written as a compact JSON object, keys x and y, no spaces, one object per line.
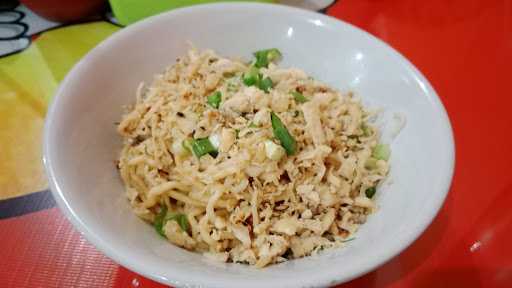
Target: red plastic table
{"x":464,"y":48}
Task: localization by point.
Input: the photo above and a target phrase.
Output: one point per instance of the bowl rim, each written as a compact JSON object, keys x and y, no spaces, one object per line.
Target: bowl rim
{"x":328,"y":278}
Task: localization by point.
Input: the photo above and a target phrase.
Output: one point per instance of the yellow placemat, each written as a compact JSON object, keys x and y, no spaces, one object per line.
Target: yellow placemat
{"x":27,"y":83}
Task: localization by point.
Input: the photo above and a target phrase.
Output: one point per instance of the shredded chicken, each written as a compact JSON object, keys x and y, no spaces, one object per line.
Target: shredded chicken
{"x":248,"y":200}
{"x":313,"y":123}
{"x":287,"y":226}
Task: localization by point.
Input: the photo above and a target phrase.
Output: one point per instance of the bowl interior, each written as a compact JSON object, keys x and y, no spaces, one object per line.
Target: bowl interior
{"x":81,"y":143}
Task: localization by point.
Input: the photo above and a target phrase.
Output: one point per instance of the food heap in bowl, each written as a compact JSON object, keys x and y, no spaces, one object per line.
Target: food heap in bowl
{"x":249,"y":162}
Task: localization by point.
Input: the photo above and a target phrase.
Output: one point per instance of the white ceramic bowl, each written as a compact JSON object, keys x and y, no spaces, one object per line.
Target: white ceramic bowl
{"x":81,"y":143}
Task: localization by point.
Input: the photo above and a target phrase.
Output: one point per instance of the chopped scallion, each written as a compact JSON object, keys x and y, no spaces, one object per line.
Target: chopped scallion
{"x":182,"y":221}
{"x":214,"y":99}
{"x":264,"y":57}
{"x":299,"y":97}
{"x":164,"y":216}
{"x":160,"y":221}
{"x":265,"y":84}
{"x":381,"y":152}
{"x":251,"y":77}
{"x":280,"y":132}
{"x":215,"y":140}
{"x":203,"y":146}
{"x":370,"y":192}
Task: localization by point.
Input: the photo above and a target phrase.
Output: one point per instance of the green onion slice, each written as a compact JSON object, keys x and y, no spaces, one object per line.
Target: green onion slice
{"x":381,"y":152}
{"x":370,"y":192}
{"x":299,"y":97}
{"x":214,"y":99}
{"x":160,"y":221}
{"x":265,"y":84}
{"x":164,"y":216}
{"x":280,"y":132}
{"x":203,"y":146}
{"x":182,"y":221}
{"x":252,"y":77}
{"x":264,"y":57}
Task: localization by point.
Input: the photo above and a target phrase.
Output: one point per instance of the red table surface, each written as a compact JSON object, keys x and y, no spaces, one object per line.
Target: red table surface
{"x":465,"y":49}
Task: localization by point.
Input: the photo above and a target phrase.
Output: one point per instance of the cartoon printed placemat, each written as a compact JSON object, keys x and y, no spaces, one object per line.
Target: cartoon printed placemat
{"x":463,"y":47}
